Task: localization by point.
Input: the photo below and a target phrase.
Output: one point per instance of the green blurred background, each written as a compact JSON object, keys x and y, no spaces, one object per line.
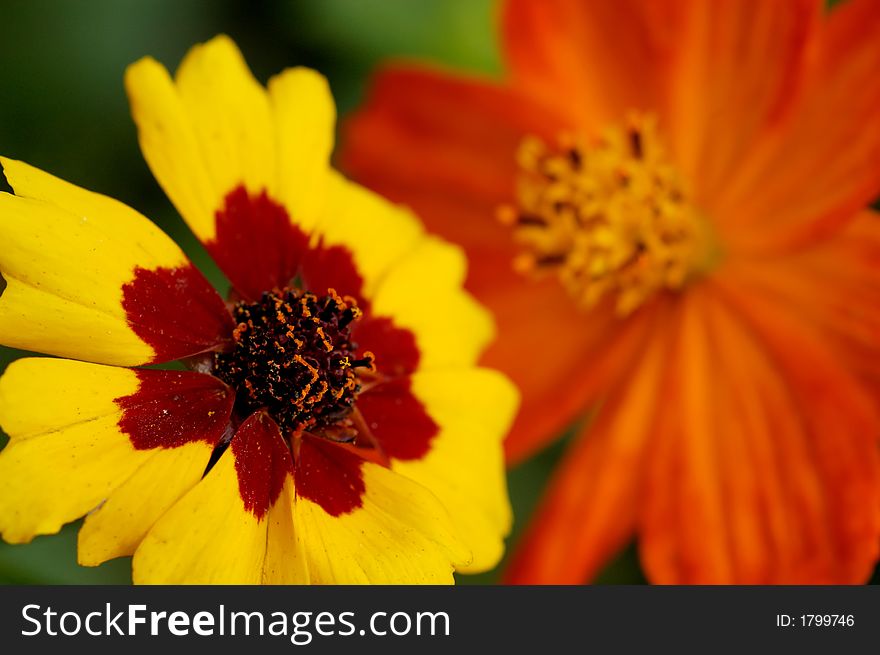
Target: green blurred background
{"x":63,"y":109}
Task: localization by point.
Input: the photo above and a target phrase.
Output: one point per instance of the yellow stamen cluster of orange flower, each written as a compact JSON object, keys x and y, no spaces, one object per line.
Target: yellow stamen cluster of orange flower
{"x":609,"y":218}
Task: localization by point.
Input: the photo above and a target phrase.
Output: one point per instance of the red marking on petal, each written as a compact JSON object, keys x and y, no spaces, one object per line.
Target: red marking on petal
{"x":333,"y":268}
{"x":256,"y":244}
{"x":397,"y":419}
{"x":176,"y":312}
{"x":395,"y":348}
{"x":329,"y":475}
{"x":172,"y":408}
{"x":262,"y":462}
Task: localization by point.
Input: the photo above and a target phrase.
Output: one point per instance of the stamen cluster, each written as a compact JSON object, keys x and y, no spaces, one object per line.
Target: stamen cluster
{"x":610,"y":216}
{"x":293,"y":356}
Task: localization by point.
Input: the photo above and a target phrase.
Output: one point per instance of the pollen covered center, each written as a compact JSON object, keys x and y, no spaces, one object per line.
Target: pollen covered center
{"x":293,"y":356}
{"x":609,"y":217}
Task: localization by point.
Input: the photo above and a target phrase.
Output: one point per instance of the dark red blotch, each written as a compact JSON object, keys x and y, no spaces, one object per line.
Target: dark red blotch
{"x":176,"y":311}
{"x":333,"y":267}
{"x":173,"y":408}
{"x":260,"y":249}
{"x":256,"y":244}
{"x":329,"y":475}
{"x":262,"y":462}
{"x":397,"y":419}
{"x":394,"y":347}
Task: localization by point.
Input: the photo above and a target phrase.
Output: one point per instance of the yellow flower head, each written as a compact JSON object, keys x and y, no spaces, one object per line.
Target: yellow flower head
{"x":332,"y":426}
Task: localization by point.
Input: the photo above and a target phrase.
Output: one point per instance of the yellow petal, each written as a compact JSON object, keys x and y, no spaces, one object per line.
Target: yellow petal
{"x":464,"y":467}
{"x":398,"y":533}
{"x":208,"y":537}
{"x":376,"y":232}
{"x":230,"y":114}
{"x":285,"y":561}
{"x":247,"y":169}
{"x":170,"y":146}
{"x":423,"y":293}
{"x":66,"y":451}
{"x":78,"y":431}
{"x":305,"y":117}
{"x":217,"y":533}
{"x":89,"y":278}
{"x":205,"y":134}
{"x":118,"y":526}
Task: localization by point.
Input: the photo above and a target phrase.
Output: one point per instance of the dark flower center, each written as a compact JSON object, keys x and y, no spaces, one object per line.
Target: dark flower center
{"x":293,"y":357}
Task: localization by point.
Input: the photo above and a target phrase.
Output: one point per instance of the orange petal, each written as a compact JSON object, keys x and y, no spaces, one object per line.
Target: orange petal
{"x":765,"y":467}
{"x":738,"y":65}
{"x":444,"y":146}
{"x":599,"y":59}
{"x":561,"y":359}
{"x":825,"y":167}
{"x":836,"y":286}
{"x":591,"y":506}
{"x":683,"y":527}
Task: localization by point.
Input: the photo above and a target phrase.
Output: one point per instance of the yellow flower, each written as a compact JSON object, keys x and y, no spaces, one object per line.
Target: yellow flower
{"x":332,"y":426}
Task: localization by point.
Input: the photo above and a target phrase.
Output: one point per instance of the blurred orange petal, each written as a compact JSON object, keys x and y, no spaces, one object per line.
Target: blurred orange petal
{"x":765,"y":465}
{"x":597,"y":60}
{"x":560,"y":364}
{"x":808,"y":180}
{"x":591,"y":507}
{"x":737,"y":71}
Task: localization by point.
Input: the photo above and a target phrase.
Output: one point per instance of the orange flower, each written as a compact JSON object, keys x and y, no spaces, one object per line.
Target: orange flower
{"x":681,"y":187}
